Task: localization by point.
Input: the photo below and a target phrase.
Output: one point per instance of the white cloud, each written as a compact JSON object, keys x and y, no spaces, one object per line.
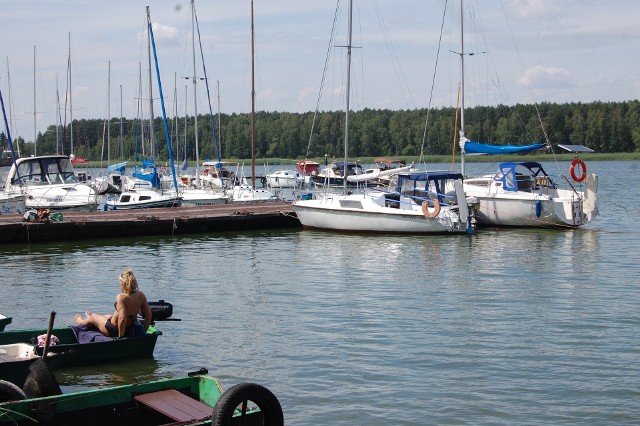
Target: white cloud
{"x":534,"y":8}
{"x":540,"y":77}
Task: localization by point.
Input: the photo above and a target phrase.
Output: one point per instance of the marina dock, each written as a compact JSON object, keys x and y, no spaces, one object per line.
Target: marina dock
{"x":144,"y":222}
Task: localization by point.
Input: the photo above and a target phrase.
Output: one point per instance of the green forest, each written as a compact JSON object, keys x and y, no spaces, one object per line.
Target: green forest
{"x":611,"y":127}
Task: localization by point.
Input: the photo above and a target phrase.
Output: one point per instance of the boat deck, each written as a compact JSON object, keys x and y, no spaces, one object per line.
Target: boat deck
{"x":144,"y":222}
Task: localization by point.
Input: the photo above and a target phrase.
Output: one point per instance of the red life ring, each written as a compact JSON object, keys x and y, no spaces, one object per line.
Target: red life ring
{"x":436,"y":208}
{"x":583,"y":166}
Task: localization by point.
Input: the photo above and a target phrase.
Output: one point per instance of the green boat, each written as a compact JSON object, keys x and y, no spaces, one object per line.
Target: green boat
{"x":4,"y":321}
{"x":19,"y":349}
{"x":192,"y":400}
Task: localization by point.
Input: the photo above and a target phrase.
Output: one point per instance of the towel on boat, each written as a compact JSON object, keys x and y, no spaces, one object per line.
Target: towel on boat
{"x":86,"y":334}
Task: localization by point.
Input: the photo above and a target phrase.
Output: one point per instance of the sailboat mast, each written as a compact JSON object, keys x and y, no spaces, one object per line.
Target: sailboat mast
{"x":121,"y":134}
{"x":109,"y":113}
{"x":195,"y":80}
{"x":70,"y":99}
{"x":218,"y":90}
{"x":57,"y":116}
{"x":346,"y":121}
{"x":253,"y":106}
{"x":462,"y":130}
{"x":35,"y":142}
{"x":151,"y":132}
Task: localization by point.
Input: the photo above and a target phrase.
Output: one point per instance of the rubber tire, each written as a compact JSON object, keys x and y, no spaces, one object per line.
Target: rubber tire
{"x":40,"y":381}
{"x":243,"y":392}
{"x":10,"y":392}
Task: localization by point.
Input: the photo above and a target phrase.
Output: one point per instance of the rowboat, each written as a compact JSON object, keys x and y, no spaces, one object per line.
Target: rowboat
{"x":19,"y":349}
{"x":196,"y":399}
{"x":4,"y":321}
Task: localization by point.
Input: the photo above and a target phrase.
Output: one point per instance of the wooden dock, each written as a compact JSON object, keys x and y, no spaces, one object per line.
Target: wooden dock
{"x":143,"y":222}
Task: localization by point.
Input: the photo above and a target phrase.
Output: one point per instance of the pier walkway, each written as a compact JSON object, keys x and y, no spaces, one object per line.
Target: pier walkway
{"x":157,"y":221}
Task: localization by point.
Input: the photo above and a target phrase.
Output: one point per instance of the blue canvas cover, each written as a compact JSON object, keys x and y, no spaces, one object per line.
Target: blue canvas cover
{"x":483,"y":148}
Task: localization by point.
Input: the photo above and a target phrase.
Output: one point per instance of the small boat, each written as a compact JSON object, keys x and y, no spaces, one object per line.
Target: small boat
{"x":49,"y":182}
{"x":194,"y":400}
{"x":19,"y":349}
{"x":4,"y":321}
{"x":284,"y":179}
{"x":419,"y":203}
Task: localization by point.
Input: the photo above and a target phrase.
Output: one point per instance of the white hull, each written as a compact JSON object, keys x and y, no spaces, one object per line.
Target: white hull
{"x":246,"y":194}
{"x":538,"y":208}
{"x":143,"y":199}
{"x":203,"y":197}
{"x":284,"y":179}
{"x":50,"y":183}
{"x":367,"y":213}
{"x":12,"y":203}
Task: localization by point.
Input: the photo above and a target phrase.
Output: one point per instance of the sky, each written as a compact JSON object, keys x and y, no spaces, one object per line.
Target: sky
{"x":524,"y":51}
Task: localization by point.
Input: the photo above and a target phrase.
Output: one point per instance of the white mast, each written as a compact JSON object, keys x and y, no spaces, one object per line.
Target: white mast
{"x":109,"y":114}
{"x":462,"y":135}
{"x":346,"y":121}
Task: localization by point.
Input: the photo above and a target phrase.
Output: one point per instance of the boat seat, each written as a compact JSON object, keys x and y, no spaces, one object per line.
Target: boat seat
{"x":175,"y":405}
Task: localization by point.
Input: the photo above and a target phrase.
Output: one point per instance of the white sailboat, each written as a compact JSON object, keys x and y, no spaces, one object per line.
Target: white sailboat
{"x":12,"y":201}
{"x":522,"y":194}
{"x":425,"y":202}
{"x":148,"y":188}
{"x":197,"y":192}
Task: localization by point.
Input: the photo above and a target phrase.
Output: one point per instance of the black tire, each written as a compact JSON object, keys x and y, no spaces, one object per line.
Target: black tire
{"x":242,"y":393}
{"x":40,"y":381}
{"x":10,"y":392}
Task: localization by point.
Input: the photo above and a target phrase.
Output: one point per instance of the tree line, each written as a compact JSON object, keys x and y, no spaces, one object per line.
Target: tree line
{"x":602,"y":126}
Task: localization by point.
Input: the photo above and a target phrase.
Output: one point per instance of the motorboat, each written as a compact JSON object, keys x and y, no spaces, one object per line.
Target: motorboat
{"x":49,"y":182}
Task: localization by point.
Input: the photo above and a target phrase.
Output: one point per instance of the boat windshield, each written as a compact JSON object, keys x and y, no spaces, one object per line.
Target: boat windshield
{"x":45,"y":171}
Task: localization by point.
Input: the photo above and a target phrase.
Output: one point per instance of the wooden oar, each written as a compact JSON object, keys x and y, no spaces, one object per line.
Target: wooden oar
{"x":52,"y":317}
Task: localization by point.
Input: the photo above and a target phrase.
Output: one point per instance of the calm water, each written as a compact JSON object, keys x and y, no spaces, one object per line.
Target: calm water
{"x":501,"y":327}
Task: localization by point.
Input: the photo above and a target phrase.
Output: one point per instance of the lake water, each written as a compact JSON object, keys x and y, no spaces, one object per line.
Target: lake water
{"x":500,"y":327}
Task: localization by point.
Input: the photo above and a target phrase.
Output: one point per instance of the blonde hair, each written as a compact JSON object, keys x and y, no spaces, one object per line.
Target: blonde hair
{"x":128,"y":282}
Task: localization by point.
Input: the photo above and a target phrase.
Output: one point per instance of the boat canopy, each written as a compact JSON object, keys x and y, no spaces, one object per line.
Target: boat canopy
{"x":426,"y":181}
{"x":518,"y":175}
{"x":483,"y":148}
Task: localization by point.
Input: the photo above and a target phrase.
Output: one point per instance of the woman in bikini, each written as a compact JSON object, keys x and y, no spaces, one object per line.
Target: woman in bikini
{"x":129,"y":303}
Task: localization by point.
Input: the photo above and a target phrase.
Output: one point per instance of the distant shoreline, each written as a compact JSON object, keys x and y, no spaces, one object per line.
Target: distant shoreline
{"x":271,"y":162}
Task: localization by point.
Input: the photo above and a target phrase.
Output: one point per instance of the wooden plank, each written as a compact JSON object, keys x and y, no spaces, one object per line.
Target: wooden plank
{"x":175,"y":405}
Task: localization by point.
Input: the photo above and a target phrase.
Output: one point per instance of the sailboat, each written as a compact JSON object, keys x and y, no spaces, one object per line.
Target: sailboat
{"x":422,"y":202}
{"x":522,"y":193}
{"x":196,"y":193}
{"x":149,"y":188}
{"x":12,"y":201}
{"x":245,"y":192}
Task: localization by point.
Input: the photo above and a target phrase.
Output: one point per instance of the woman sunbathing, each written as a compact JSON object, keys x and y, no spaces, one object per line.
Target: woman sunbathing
{"x":129,"y":303}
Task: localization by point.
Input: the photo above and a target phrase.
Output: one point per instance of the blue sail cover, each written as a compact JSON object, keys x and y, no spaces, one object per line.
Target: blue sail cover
{"x":482,"y":148}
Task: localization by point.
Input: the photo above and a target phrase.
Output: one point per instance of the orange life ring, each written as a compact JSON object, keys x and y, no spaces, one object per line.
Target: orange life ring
{"x":572,"y":170}
{"x":436,"y":208}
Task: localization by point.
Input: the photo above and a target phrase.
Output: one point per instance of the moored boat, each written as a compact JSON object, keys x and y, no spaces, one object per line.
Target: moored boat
{"x":50,"y":183}
{"x":194,"y":400}
{"x":19,"y":349}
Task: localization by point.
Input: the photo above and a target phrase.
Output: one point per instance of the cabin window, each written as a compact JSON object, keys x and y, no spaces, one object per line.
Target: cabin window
{"x":125,"y":198}
{"x":145,"y":197}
